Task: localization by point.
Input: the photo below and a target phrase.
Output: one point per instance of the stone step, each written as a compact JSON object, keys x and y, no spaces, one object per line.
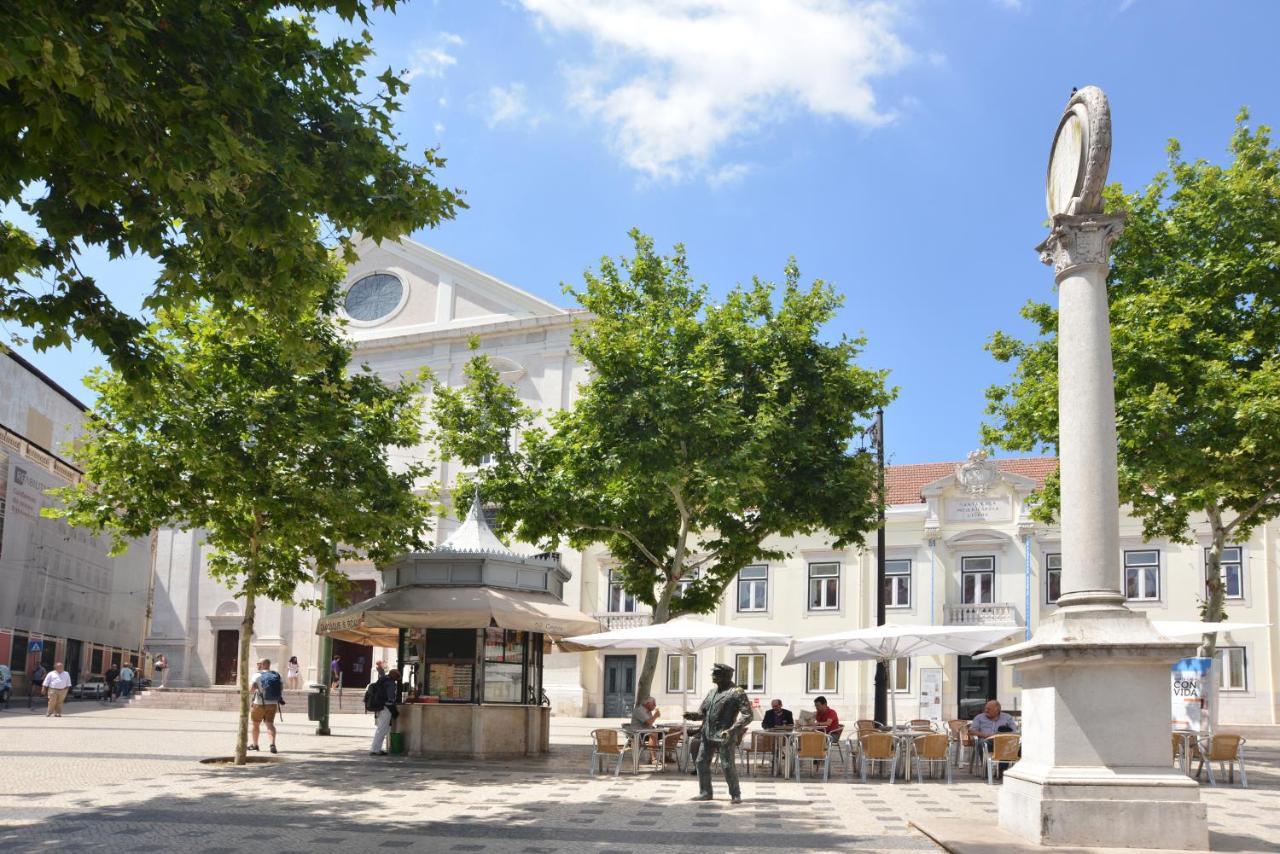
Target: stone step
{"x":228,"y":699}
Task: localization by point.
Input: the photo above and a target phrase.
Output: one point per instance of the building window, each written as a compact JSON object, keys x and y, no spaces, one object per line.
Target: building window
{"x":977,"y":580}
{"x":683,"y":585}
{"x":95,"y":660}
{"x":682,"y":672}
{"x":620,"y":601}
{"x":1052,"y":578}
{"x":1231,"y":668}
{"x":822,"y":677}
{"x":1232,"y":564}
{"x":824,"y":587}
{"x":753,"y":588}
{"x":750,"y":672}
{"x":900,"y":676}
{"x":897,"y":584}
{"x":1142,"y":574}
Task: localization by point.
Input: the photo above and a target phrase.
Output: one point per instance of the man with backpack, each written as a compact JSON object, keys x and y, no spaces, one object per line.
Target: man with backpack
{"x":267,"y":696}
{"x":381,"y":698}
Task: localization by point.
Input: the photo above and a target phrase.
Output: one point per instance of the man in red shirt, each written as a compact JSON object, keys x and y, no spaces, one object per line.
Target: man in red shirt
{"x":827,"y":718}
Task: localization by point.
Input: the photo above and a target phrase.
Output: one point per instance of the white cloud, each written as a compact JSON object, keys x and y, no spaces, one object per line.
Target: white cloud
{"x":674,"y":81}
{"x":730,"y":173}
{"x":435,"y":59}
{"x":508,"y":105}
{"x":438,"y":127}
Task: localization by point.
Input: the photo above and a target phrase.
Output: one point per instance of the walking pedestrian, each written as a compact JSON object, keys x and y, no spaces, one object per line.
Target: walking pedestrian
{"x":292,"y":673}
{"x":381,"y":698}
{"x":266,"y":690}
{"x":126,"y":681}
{"x":110,"y":677}
{"x":161,"y":668}
{"x":335,"y":673}
{"x":55,"y":686}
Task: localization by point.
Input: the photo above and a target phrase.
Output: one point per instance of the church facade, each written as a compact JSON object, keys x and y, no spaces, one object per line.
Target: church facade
{"x":961,"y":546}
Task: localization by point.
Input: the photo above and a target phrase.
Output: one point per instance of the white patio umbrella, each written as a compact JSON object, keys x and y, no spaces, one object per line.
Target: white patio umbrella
{"x":685,"y":635}
{"x":889,"y":643}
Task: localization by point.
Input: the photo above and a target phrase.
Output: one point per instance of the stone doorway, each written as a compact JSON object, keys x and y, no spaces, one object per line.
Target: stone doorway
{"x":226,"y":656}
{"x":975,"y":684}
{"x":619,"y":685}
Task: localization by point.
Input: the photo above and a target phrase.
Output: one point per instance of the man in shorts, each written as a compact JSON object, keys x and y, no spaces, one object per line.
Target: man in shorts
{"x":264,"y":702}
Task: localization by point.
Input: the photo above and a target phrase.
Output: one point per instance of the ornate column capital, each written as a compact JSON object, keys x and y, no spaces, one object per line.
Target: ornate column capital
{"x":1080,"y":240}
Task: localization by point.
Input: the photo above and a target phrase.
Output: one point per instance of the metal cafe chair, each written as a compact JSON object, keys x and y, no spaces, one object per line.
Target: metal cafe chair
{"x":878,"y":747}
{"x":932,"y":748}
{"x":1226,"y":750}
{"x":814,"y":747}
{"x":921,"y":725}
{"x":1005,"y":747}
{"x":755,"y":751}
{"x":605,"y":743}
{"x":959,"y":731}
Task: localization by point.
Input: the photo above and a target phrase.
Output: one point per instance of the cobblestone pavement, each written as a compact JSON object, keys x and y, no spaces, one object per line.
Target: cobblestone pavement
{"x":120,"y":779}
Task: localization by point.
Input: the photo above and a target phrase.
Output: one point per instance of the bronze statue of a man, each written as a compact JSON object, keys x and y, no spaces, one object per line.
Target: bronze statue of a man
{"x":725,"y":715}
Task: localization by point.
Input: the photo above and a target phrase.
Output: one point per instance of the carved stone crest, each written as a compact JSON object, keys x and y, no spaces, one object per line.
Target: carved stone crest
{"x":978,"y":474}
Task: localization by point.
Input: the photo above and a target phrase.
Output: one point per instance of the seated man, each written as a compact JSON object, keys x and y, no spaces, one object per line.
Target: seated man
{"x":777,"y":716}
{"x":827,"y":718}
{"x":644,"y":716}
{"x":988,"y":723}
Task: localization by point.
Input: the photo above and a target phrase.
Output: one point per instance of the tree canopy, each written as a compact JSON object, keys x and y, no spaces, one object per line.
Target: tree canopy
{"x":209,"y":135}
{"x":705,"y":428}
{"x":1195,"y":323}
{"x":284,"y":469}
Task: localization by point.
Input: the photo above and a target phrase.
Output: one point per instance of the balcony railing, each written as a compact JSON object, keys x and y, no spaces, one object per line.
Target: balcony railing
{"x":990,"y":614}
{"x":613,"y":621}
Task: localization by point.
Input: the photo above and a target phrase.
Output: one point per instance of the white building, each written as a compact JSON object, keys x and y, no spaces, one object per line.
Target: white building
{"x":59,"y":587}
{"x":961,"y":547}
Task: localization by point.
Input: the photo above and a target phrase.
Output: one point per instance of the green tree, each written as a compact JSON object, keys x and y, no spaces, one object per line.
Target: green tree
{"x":206,"y":134}
{"x":705,"y":429}
{"x":1195,"y":325}
{"x":283,"y":468}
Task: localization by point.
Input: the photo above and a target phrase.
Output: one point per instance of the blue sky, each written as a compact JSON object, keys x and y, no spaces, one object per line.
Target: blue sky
{"x":897,"y":149}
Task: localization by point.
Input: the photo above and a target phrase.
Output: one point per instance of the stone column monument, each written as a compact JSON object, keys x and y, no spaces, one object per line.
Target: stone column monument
{"x":1096,"y":767}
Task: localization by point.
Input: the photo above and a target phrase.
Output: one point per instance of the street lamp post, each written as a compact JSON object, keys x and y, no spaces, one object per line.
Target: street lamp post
{"x":876,"y":431}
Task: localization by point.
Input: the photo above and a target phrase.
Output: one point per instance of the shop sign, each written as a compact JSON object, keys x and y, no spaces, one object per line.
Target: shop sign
{"x":1194,"y":692}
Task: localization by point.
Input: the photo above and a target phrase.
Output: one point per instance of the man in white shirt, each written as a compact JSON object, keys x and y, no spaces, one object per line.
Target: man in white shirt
{"x":55,"y":686}
{"x":126,"y":681}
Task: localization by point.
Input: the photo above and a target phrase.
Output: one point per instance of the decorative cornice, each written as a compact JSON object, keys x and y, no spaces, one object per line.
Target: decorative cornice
{"x":1080,"y":241}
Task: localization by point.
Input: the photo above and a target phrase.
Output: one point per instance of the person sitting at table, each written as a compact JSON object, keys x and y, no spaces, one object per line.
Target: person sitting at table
{"x":645,"y":716}
{"x":826,"y":718}
{"x":989,"y":722}
{"x":777,"y":716}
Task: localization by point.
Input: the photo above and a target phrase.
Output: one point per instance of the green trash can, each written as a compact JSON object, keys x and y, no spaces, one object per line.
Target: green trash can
{"x":396,"y":744}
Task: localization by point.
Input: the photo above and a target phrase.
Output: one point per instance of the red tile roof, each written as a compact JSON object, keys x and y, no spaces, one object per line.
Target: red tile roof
{"x":903,"y":483}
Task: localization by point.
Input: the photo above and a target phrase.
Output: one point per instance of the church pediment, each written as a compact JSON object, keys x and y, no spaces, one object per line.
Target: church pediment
{"x":977,"y":491}
{"x":404,"y":288}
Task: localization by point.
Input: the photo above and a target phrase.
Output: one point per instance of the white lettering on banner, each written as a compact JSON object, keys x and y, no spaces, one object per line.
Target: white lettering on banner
{"x":1193,"y":684}
{"x":979,"y":509}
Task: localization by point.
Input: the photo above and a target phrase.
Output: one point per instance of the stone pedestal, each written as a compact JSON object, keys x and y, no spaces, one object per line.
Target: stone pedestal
{"x":1096,"y":767}
{"x":470,"y":731}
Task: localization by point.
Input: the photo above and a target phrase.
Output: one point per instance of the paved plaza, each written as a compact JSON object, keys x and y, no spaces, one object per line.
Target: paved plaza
{"x":129,"y":779}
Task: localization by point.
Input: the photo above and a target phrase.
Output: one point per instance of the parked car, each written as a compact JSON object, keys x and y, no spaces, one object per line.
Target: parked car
{"x":93,"y":687}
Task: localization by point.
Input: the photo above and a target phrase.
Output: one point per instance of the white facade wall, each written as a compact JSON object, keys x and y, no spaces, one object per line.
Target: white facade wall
{"x":446,"y":304}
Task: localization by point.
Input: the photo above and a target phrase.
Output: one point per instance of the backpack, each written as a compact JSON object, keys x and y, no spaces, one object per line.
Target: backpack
{"x":270,"y":686}
{"x":375,"y":698}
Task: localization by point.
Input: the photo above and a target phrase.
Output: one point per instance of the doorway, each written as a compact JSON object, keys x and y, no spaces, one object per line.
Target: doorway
{"x":71,"y":659}
{"x":975,"y":684}
{"x":356,"y":661}
{"x":226,"y":657}
{"x":619,"y":685}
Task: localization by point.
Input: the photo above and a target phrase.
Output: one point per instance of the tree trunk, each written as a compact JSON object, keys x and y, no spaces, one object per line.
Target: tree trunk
{"x":661,"y":613}
{"x":1215,"y":590}
{"x":246,"y":632}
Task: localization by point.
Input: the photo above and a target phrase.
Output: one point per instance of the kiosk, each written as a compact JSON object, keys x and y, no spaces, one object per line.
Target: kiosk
{"x":472,"y":621}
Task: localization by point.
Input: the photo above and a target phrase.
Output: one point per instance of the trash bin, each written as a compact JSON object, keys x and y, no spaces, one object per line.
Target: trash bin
{"x":318,"y":703}
{"x":396,"y":740}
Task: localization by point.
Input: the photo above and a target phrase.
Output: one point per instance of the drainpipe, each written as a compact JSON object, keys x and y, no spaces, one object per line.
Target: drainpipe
{"x":933,"y":545}
{"x":1026,"y":564}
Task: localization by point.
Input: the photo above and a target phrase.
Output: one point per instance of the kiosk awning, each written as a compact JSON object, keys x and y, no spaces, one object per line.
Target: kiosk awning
{"x":378,"y":620}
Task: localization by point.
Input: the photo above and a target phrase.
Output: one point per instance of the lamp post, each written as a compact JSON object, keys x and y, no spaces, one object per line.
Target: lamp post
{"x":876,"y":432}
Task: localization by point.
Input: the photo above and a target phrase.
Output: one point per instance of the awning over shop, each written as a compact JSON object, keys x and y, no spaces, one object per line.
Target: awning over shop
{"x":377,"y":621}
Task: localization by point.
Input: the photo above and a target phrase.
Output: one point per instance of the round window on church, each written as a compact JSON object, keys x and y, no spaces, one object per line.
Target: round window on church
{"x":374,"y":297}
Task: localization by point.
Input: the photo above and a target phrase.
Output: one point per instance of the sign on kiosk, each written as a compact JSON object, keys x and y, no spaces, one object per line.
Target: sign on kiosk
{"x":1195,"y":695}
